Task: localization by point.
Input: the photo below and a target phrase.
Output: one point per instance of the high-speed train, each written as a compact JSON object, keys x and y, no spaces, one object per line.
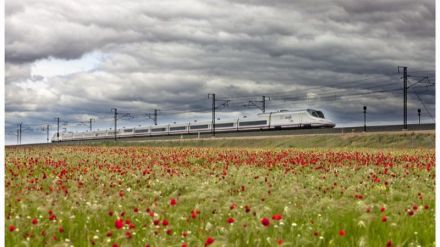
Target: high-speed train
{"x":283,"y":119}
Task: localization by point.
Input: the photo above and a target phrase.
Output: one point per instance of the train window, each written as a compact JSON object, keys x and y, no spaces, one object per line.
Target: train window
{"x":224,"y":125}
{"x":317,"y":114}
{"x":262,"y":122}
{"x":196,"y":127}
{"x":158,"y":130}
{"x":128,"y":130}
{"x":141,"y":131}
{"x":177,"y":128}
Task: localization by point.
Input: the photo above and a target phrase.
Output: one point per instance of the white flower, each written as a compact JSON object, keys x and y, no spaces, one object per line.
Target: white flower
{"x":208,"y":226}
{"x":361,"y":223}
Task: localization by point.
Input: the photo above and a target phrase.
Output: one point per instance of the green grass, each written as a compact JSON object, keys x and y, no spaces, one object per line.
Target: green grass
{"x":314,"y":190}
{"x":367,"y":140}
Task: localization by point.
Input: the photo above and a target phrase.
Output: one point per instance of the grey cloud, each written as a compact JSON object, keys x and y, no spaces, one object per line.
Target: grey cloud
{"x":169,"y":55}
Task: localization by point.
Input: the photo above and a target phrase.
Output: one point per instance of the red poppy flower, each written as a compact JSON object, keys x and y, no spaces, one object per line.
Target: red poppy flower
{"x":342,"y":232}
{"x":119,"y":223}
{"x":410,"y":213}
{"x":277,"y":217}
{"x":389,"y":243}
{"x":165,"y":222}
{"x":209,"y":241}
{"x":52,"y":217}
{"x":156,"y":222}
{"x":193,"y":214}
{"x":115,"y":245}
{"x":34,"y":221}
{"x":382,"y":209}
{"x":384,"y":218}
{"x":280,"y":241}
{"x":109,"y":234}
{"x":426,"y":207}
{"x":265,"y":221}
{"x":61,"y":229}
{"x":173,"y":202}
{"x":12,"y":228}
{"x":169,"y":231}
{"x":128,"y":234}
{"x":231,"y":220}
{"x":184,"y":245}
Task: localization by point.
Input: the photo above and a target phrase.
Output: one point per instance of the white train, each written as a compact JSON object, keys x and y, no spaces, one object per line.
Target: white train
{"x":282,"y":119}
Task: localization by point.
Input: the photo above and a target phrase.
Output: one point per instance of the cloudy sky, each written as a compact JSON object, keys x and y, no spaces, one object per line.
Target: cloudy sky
{"x":78,"y":59}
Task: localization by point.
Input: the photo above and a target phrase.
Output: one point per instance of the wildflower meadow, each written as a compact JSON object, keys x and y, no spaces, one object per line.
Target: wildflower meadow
{"x":192,"y":196}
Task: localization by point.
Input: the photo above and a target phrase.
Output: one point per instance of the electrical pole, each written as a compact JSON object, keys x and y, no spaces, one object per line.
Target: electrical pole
{"x":58,"y":128}
{"x":91,"y":124}
{"x":47,"y":133}
{"x":116,"y":120}
{"x":18,"y":135}
{"x":365,"y":118}
{"x":405,"y":95}
{"x":154,"y":118}
{"x":213,"y":113}
{"x":418,"y":112}
{"x":20,"y":131}
{"x":225,"y":102}
{"x":264,"y":104}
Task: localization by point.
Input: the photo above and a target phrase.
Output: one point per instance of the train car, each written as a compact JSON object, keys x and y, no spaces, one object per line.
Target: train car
{"x":283,"y":119}
{"x":179,"y":129}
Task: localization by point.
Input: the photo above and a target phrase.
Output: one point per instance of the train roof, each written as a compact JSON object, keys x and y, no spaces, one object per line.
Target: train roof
{"x":286,"y":111}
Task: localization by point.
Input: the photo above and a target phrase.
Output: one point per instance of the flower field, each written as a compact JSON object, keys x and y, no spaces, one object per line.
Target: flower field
{"x":155,"y":196}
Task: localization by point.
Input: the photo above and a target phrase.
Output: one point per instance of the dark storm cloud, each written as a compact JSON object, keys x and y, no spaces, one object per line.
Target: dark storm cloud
{"x":169,"y":55}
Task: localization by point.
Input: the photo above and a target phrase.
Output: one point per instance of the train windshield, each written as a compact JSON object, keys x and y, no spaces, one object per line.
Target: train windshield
{"x":317,"y":114}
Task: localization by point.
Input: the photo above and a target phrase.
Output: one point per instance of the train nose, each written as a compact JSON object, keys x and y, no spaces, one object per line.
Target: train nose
{"x":330,"y":124}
